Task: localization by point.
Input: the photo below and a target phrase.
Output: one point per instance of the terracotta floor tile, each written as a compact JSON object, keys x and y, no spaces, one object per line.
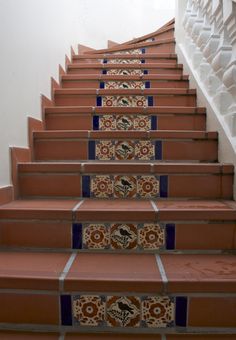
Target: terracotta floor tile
{"x":31,"y":270}
{"x":29,"y":308}
{"x":5,"y":335}
{"x":200,"y":273}
{"x":42,"y":209}
{"x":114,"y":273}
{"x":120,"y":210}
{"x":201,"y":337}
{"x":212,"y":312}
{"x":113,"y":336}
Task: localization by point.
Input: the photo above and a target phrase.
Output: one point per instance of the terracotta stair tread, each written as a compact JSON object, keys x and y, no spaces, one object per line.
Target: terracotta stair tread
{"x":181,"y":336}
{"x":128,"y":110}
{"x":118,"y":92}
{"x":135,"y":46}
{"x":138,"y":167}
{"x":109,"y":77}
{"x":125,"y":56}
{"x":126,"y":134}
{"x":21,"y":335}
{"x":124,"y":66}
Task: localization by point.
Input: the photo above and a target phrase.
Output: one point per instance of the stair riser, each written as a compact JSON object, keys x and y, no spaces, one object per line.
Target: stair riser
{"x":97,"y":84}
{"x":81,"y":121}
{"x":165,"y":186}
{"x":158,"y":100}
{"x":112,"y":150}
{"x":146,"y":236}
{"x":129,"y":60}
{"x":177,"y":311}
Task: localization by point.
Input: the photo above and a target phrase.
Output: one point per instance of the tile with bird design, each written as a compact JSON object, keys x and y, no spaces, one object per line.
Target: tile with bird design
{"x":125,"y":72}
{"x":124,"y":101}
{"x":125,"y":122}
{"x":123,"y":311}
{"x":124,"y":61}
{"x":124,"y":85}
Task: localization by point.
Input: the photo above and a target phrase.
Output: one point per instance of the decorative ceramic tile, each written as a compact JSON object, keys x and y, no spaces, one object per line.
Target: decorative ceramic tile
{"x":124,"y":61}
{"x":158,"y":311}
{"x":125,"y":186}
{"x":101,"y":186}
{"x":125,"y":72}
{"x":144,"y":150}
{"x":135,"y":51}
{"x":124,"y":150}
{"x":142,"y":123}
{"x":124,"y":101}
{"x":105,"y":150}
{"x":151,"y":236}
{"x":148,"y":186}
{"x":124,"y":236}
{"x":96,"y":236}
{"x":88,"y":310}
{"x":107,"y":122}
{"x":125,"y":122}
{"x":124,"y":85}
{"x":123,"y":311}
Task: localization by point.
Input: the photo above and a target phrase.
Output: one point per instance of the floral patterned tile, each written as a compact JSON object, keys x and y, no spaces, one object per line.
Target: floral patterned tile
{"x":113,"y":122}
{"x":124,"y":61}
{"x":125,"y":72}
{"x":124,"y":85}
{"x":121,"y":311}
{"x":123,"y":101}
{"x":125,"y":186}
{"x":134,"y":51}
{"x":123,"y":236}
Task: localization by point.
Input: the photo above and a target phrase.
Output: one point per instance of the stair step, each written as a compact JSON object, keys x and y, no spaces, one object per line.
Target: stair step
{"x":97,"y":225}
{"x":124,"y":97}
{"x":81,"y":291}
{"x":106,"y":58}
{"x":125,"y":145}
{"x":123,"y":81}
{"x":125,"y":69}
{"x":139,"y":118}
{"x":124,"y":180}
{"x":34,"y":335}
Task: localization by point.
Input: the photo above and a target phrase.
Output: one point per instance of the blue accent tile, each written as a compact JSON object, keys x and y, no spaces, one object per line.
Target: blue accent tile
{"x":95,"y":122}
{"x":153,"y":123}
{"x":86,"y":186}
{"x":143,"y":50}
{"x":104,"y":61}
{"x":142,"y":61}
{"x":77,"y":236}
{"x":104,"y":71}
{"x":102,"y":85}
{"x":145,"y":71}
{"x":91,"y":150}
{"x":170,"y":236}
{"x":158,"y":150}
{"x":147,"y":84}
{"x":150,"y":100}
{"x":66,"y":310}
{"x":99,"y":101}
{"x":181,"y":311}
{"x":164,"y":186}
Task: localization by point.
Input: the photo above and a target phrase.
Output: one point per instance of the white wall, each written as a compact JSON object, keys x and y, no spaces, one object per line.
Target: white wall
{"x":35,"y":35}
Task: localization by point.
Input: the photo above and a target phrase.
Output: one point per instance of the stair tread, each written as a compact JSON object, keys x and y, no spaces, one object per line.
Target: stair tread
{"x":138,"y":273}
{"x":124,"y":66}
{"x":125,"y":56}
{"x":108,"y":77}
{"x":20,"y":335}
{"x":117,"y":92}
{"x":126,"y":134}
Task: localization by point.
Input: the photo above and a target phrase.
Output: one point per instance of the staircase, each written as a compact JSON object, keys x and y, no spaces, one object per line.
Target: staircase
{"x":123,"y":223}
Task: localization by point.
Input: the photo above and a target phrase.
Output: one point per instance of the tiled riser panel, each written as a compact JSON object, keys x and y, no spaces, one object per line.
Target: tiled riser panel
{"x":126,"y":186}
{"x":152,"y":312}
{"x":86,"y":311}
{"x":86,"y":122}
{"x":96,"y":84}
{"x":117,"y":236}
{"x":125,"y":101}
{"x":125,"y":150}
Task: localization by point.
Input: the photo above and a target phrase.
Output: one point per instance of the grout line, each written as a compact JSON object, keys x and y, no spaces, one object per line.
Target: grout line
{"x":76,"y":207}
{"x":66,"y":270}
{"x":61,"y":337}
{"x":163,"y":337}
{"x":156,"y":210}
{"x":162,"y":272}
